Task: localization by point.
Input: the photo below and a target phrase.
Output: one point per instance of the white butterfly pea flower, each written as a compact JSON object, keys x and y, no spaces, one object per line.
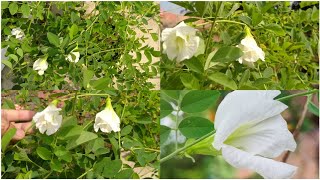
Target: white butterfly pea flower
{"x":250,"y":130}
{"x":18,"y":33}
{"x":181,"y":42}
{"x":107,"y":120}
{"x":41,"y":65}
{"x":251,"y":51}
{"x":49,"y":119}
{"x":73,"y":56}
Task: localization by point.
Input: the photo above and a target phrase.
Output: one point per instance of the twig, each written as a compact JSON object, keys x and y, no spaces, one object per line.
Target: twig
{"x":297,"y":129}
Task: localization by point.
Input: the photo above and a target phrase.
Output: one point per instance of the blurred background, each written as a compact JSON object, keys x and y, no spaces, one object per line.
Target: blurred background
{"x":306,"y":156}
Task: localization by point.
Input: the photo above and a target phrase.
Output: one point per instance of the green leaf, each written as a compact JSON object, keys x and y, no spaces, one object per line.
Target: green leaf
{"x":165,"y":108}
{"x":198,"y":101}
{"x":53,"y":39}
{"x":13,"y":8}
{"x":20,"y":52}
{"x":126,"y":130}
{"x":268,"y":72}
{"x":112,"y":168}
{"x":87,"y":76}
{"x":56,"y":165}
{"x":244,"y":78}
{"x":44,"y":153}
{"x":275,"y":28}
{"x":195,"y":127}
{"x":223,"y":79}
{"x":227,"y":54}
{"x":62,"y":153}
{"x":312,"y":107}
{"x":194,"y":65}
{"x":14,"y":57}
{"x":154,"y":36}
{"x":7,"y":63}
{"x":189,"y":81}
{"x":101,"y":83}
{"x":164,"y":133}
{"x":4,"y":4}
{"x":25,"y":9}
{"x":125,"y":174}
{"x":83,"y":138}
{"x":201,"y":48}
{"x":6,"y":138}
{"x":256,"y":18}
{"x":73,"y":31}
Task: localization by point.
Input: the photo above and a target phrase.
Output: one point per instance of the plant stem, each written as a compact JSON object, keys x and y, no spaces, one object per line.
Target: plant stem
{"x":298,"y":94}
{"x":85,"y":173}
{"x":222,"y":21}
{"x":211,"y":29}
{"x":147,"y":149}
{"x":106,"y":50}
{"x":176,"y":129}
{"x":185,"y":147}
{"x":93,"y":95}
{"x":297,"y":128}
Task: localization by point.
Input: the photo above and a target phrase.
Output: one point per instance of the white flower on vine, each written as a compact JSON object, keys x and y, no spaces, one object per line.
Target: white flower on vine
{"x":49,"y":119}
{"x":18,"y":33}
{"x":73,"y":56}
{"x":181,"y":42}
{"x":251,"y":51}
{"x":107,"y":120}
{"x":250,"y":130}
{"x":40,"y":65}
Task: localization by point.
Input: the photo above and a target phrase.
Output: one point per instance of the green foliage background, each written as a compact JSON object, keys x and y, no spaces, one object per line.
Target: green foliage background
{"x":110,"y":50}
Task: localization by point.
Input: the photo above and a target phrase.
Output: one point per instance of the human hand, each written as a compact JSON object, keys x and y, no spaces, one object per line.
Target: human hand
{"x":19,"y":119}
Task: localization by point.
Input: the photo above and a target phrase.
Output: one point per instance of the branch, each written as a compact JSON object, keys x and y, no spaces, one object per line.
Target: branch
{"x":297,"y":129}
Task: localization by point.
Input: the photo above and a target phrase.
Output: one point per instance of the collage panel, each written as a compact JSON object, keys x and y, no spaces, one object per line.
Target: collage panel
{"x":242,"y":134}
{"x":78,"y":45}
{"x":64,"y":134}
{"x":266,"y":45}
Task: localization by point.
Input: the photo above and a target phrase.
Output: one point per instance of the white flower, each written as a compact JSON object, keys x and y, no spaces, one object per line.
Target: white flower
{"x":49,"y":119}
{"x":251,"y":51}
{"x":18,"y":33}
{"x":250,"y":130}
{"x":40,"y":65}
{"x":107,"y":120}
{"x":180,"y":42}
{"x":73,"y":56}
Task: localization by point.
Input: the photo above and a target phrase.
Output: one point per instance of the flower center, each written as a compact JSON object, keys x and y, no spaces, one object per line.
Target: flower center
{"x":180,"y":43}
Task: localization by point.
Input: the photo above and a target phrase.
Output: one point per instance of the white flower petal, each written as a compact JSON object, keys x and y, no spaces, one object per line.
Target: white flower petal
{"x":268,"y":138}
{"x":48,"y":120}
{"x":180,"y":42}
{"x":251,"y":51}
{"x":40,"y":65}
{"x":107,"y":121}
{"x":242,"y":107}
{"x":267,"y":168}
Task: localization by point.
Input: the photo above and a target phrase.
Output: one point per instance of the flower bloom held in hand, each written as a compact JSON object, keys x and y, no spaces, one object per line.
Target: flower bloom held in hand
{"x":250,"y":130}
{"x":107,"y":120}
{"x":251,"y":51}
{"x":40,"y":65}
{"x":18,"y":33}
{"x":49,"y":119}
{"x":180,"y":42}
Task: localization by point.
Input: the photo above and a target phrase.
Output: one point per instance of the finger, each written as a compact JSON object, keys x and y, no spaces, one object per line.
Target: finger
{"x":26,"y":126}
{"x":20,"y":134}
{"x":17,"y":115}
